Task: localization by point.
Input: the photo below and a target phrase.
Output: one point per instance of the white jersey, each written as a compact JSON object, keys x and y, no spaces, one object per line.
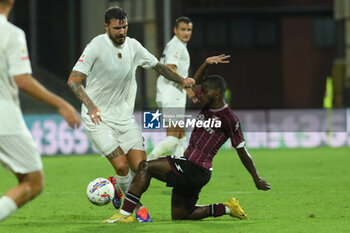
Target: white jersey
{"x":14,"y":60}
{"x":175,"y":53}
{"x":110,"y":70}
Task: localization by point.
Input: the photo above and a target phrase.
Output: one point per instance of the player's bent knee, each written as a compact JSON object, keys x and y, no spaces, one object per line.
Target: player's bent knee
{"x":34,"y":183}
{"x":37,"y":189}
{"x":177,"y":216}
{"x":122,"y":169}
{"x":143,"y":166}
{"x":37,"y":185}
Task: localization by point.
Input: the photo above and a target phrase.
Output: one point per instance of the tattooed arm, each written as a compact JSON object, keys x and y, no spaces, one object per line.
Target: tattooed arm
{"x":171,"y":75}
{"x":75,"y":82}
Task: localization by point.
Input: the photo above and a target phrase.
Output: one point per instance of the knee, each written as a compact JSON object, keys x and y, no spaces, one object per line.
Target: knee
{"x":178,"y":216}
{"x":38,"y":188}
{"x":179,"y":213}
{"x":122,"y":169}
{"x":35,"y":184}
{"x":144,"y":166}
{"x":38,"y":185}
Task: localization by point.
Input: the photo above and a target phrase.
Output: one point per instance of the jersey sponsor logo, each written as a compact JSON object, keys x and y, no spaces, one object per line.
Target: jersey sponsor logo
{"x":152,"y":120}
{"x":24,"y":58}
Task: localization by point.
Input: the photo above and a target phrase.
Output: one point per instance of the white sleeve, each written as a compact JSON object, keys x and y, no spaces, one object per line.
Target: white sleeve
{"x":17,"y":54}
{"x":87,"y":59}
{"x":144,"y":58}
{"x":172,"y":55}
{"x":131,"y":97}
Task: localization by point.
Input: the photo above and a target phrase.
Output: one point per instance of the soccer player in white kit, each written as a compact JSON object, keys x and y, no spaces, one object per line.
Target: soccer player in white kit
{"x":18,"y":152}
{"x":108,"y":64}
{"x":170,"y":96}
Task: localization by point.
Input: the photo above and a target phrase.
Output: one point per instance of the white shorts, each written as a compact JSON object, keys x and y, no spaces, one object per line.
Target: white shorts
{"x":107,"y":136}
{"x":171,"y":111}
{"x":19,"y":153}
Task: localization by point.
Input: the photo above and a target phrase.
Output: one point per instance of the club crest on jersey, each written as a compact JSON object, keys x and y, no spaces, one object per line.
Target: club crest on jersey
{"x":120,"y":56}
{"x":81,"y":59}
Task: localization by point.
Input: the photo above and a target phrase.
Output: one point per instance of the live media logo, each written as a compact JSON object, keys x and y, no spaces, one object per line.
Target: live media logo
{"x":152,"y":120}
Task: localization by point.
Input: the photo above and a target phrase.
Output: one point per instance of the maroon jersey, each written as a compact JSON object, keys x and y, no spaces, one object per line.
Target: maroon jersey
{"x":205,"y":141}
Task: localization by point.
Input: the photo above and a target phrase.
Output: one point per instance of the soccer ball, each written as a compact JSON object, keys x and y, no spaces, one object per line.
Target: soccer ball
{"x":100,"y":191}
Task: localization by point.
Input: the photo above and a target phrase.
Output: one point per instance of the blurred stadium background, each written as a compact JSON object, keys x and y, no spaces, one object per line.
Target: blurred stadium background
{"x":282,"y":52}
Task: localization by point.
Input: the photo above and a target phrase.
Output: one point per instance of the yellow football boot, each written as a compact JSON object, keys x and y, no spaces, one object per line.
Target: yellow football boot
{"x":236,"y":210}
{"x":118,"y":217}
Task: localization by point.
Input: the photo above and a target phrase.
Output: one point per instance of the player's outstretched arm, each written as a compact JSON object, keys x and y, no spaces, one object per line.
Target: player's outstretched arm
{"x":75,"y":82}
{"x":202,"y":70}
{"x":36,"y":90}
{"x":172,"y":75}
{"x":249,"y":164}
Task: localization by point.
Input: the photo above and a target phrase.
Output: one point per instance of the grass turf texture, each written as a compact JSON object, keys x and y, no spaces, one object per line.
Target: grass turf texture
{"x":310,"y":192}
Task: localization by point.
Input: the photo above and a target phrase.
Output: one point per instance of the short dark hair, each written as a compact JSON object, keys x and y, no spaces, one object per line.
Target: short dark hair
{"x":183,"y":19}
{"x":115,"y":12}
{"x":216,"y":82}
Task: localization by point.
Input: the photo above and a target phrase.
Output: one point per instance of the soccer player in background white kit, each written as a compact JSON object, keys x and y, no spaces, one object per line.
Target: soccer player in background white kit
{"x":18,"y":152}
{"x":170,"y":96}
{"x":109,"y":64}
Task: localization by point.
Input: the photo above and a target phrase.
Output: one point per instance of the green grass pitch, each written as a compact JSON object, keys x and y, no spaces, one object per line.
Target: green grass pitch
{"x":310,"y":192}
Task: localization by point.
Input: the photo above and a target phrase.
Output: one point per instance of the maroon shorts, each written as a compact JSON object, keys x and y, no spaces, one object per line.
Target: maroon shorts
{"x":186,"y":178}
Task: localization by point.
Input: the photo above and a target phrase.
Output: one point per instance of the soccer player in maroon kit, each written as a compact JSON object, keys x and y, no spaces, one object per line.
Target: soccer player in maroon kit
{"x":188,"y":174}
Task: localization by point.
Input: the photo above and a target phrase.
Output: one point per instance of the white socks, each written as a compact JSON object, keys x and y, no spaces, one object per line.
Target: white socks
{"x":7,"y":207}
{"x":180,"y":147}
{"x":227,"y":210}
{"x":123,"y":183}
{"x":163,"y":146}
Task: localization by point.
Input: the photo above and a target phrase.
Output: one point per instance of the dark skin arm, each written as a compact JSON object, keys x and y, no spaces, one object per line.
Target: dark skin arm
{"x":75,"y":82}
{"x":202,"y":70}
{"x":169,"y":72}
{"x":249,"y":165}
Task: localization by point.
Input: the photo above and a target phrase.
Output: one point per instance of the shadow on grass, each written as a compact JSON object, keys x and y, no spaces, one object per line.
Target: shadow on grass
{"x":209,"y":225}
